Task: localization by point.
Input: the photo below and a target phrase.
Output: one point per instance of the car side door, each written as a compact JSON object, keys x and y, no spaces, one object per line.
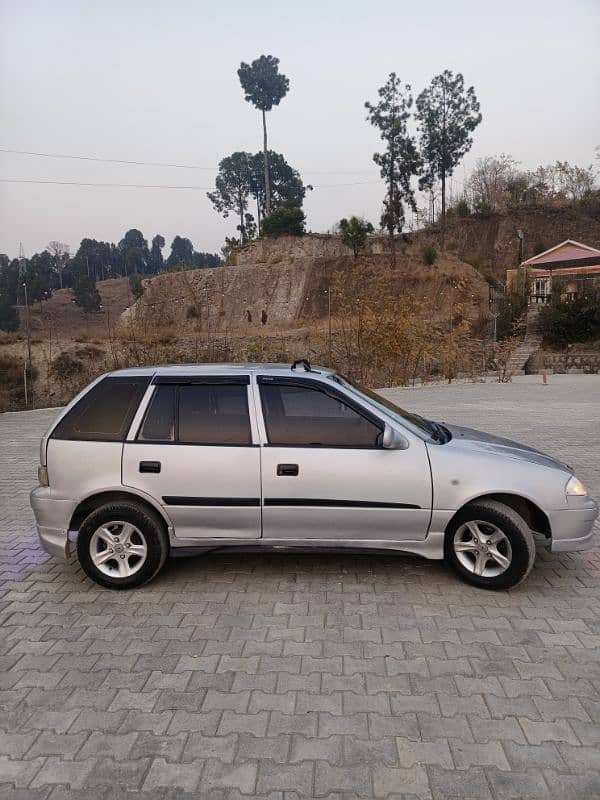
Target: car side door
{"x":195,"y":453}
{"x":325,"y":473}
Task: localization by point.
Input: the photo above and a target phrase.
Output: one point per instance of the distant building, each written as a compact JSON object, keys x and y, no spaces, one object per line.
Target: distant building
{"x":570,"y":265}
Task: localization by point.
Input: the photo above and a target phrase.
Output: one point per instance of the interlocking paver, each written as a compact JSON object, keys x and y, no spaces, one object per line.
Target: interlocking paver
{"x":283,"y":677}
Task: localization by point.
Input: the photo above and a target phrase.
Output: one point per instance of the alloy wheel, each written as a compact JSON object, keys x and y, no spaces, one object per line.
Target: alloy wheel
{"x":482,"y":548}
{"x":118,"y":549}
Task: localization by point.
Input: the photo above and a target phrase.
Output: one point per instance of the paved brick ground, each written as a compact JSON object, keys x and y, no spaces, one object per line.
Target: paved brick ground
{"x":292,"y":677}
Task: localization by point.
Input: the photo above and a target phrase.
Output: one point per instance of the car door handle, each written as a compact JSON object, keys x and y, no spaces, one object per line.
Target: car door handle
{"x":287,"y":469}
{"x":149,"y":466}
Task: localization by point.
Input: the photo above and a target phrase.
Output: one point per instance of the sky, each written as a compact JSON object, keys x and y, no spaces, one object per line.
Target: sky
{"x":141,"y":80}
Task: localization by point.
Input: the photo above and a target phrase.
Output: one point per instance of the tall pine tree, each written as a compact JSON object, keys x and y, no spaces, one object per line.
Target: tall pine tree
{"x":447,"y":114}
{"x":400,"y":160}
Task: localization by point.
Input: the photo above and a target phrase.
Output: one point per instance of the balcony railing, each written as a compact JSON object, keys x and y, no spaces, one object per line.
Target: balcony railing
{"x":540,"y":299}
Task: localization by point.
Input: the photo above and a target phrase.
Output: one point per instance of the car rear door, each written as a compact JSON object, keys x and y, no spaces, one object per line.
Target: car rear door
{"x":196,"y":453}
{"x":325,"y":474}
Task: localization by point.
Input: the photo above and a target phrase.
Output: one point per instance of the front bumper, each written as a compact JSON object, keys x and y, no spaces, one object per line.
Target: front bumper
{"x":573,"y":529}
{"x":52,"y":517}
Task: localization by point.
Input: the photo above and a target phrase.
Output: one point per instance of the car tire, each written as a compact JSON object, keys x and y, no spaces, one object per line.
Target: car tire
{"x":122,"y":545}
{"x":489,"y":545}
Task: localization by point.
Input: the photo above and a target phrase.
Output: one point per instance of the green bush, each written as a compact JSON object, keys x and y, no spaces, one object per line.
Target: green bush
{"x":462,"y":209}
{"x":135,"y":284}
{"x":510,"y":310}
{"x":284,"y":222}
{"x":429,"y":255}
{"x":86,"y":295}
{"x":577,"y":320}
{"x":482,"y":208}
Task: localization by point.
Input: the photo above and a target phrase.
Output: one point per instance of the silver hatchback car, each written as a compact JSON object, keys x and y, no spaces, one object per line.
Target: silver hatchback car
{"x":151,"y":462}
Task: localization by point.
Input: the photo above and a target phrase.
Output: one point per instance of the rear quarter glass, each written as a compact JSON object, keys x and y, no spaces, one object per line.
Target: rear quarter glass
{"x":105,"y":412}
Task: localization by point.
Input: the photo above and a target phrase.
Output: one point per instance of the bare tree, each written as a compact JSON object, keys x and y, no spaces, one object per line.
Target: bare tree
{"x":489,"y":181}
{"x":60,"y":253}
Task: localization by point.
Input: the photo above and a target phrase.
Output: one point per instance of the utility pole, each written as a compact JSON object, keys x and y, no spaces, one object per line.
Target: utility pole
{"x":28,"y":370}
{"x":329,"y":323}
{"x":207,"y":321}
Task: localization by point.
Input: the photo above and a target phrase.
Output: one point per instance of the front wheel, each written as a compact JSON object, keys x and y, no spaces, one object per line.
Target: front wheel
{"x":489,"y":545}
{"x":122,"y":545}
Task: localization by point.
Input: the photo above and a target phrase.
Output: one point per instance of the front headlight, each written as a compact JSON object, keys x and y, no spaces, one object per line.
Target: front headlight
{"x":43,"y":476}
{"x":576,"y":487}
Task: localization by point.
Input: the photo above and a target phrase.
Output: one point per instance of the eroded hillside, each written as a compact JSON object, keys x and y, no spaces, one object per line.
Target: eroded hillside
{"x":283,"y":284}
{"x":490,"y":241}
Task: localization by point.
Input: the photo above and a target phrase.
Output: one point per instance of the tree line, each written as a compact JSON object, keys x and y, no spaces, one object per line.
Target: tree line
{"x":54,"y":268}
{"x":425,"y":139}
{"x":446,"y":115}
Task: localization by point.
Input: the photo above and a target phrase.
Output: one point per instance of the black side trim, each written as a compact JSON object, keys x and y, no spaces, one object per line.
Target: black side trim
{"x":171,"y":443}
{"x":211,"y":380}
{"x":326,"y":503}
{"x":211,"y":501}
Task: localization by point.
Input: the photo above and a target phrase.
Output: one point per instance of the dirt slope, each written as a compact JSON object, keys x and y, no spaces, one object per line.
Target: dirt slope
{"x":490,"y":241}
{"x":67,"y":320}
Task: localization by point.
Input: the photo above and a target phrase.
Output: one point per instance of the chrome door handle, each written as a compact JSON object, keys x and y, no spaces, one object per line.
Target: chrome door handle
{"x":287,"y":469}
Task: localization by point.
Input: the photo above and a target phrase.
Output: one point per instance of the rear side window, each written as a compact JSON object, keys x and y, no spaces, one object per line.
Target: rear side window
{"x":198,"y":414}
{"x":105,"y":413}
{"x":159,"y":422}
{"x":298,"y":415}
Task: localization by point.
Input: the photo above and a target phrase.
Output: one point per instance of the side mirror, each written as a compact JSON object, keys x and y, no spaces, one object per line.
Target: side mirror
{"x":392,"y":440}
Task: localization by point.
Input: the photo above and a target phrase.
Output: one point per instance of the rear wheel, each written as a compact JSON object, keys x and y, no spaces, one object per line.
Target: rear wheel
{"x":122,"y":545}
{"x":489,"y":545}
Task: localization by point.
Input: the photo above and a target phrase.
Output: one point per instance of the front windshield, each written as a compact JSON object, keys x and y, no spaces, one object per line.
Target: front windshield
{"x":413,"y":422}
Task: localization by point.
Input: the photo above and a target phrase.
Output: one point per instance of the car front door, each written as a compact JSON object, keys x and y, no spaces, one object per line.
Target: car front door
{"x":194,"y":453}
{"x":325,"y":474}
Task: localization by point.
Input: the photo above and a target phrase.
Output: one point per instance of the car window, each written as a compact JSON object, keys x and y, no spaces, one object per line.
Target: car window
{"x":159,"y":420}
{"x":105,"y":412}
{"x":214,"y":415}
{"x":303,"y":415}
{"x":413,"y":422}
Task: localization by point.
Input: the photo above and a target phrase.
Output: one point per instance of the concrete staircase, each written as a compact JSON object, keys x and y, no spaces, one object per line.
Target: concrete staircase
{"x":531,"y":343}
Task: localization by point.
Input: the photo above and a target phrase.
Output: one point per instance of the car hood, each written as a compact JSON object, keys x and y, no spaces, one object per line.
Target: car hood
{"x":485,"y":442}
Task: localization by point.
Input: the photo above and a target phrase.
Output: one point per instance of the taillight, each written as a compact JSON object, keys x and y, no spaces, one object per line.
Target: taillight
{"x":43,"y":476}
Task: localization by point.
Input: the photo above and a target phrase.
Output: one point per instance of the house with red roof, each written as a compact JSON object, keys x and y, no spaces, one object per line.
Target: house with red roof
{"x":570,"y":266}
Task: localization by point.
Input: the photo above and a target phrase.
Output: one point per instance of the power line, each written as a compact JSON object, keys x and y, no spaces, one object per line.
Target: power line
{"x":153,"y":186}
{"x":154,"y":163}
{"x":106,"y":160}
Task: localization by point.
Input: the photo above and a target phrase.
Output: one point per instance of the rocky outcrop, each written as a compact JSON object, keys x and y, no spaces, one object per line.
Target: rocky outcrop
{"x":298,"y":248}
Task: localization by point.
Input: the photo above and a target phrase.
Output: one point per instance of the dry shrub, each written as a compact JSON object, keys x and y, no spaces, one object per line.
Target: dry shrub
{"x":11,"y":371}
{"x":10,"y":337}
{"x":89,"y":352}
{"x":12,"y":391}
{"x":386,"y":337}
{"x":66,"y":368}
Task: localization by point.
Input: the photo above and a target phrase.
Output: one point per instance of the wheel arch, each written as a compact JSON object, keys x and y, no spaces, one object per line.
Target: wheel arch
{"x":535,"y":517}
{"x":93,"y":501}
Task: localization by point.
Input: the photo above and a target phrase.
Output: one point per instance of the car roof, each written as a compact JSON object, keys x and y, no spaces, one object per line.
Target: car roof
{"x":223,"y":369}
